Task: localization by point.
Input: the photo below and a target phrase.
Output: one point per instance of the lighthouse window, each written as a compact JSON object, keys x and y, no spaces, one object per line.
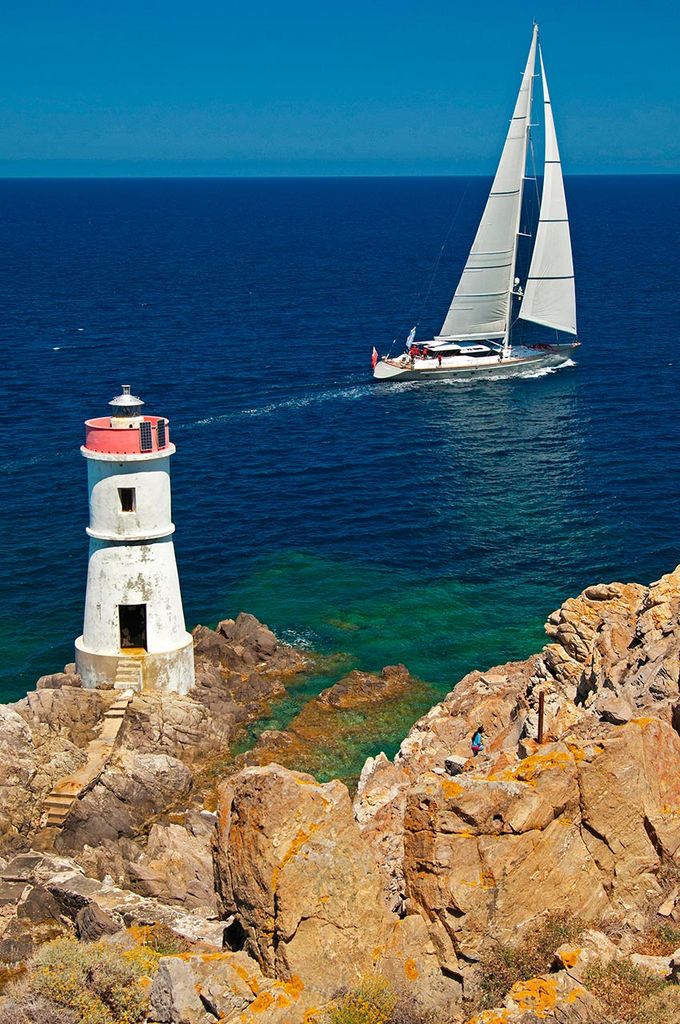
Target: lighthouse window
{"x":127,"y":499}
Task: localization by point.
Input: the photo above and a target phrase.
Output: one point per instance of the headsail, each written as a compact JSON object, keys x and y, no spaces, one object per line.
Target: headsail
{"x":482,"y":303}
{"x":549,"y":296}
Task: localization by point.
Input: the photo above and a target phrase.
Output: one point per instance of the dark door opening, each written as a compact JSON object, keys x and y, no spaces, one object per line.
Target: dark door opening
{"x":132,"y":618}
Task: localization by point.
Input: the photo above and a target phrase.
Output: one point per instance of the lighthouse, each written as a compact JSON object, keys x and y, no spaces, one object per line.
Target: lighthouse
{"x":134,"y":634}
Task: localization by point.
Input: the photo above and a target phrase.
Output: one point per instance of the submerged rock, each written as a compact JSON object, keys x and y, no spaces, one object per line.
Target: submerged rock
{"x":329,"y":728}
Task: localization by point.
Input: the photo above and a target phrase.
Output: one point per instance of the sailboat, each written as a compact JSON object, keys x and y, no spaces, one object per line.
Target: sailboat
{"x":477,"y":336}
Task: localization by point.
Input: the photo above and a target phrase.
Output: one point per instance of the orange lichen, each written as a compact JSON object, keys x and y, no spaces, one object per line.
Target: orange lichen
{"x":569,"y":957}
{"x":531,"y":767}
{"x":294,"y":986}
{"x":450,"y":788}
{"x":538,"y":995}
{"x":410,"y":969}
{"x":302,"y":836}
{"x":489,"y":1017}
{"x":574,"y":995}
{"x":250,"y":979}
{"x":261,"y":1003}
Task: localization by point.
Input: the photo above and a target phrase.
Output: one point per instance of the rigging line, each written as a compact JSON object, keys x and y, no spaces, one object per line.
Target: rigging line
{"x":438,"y":259}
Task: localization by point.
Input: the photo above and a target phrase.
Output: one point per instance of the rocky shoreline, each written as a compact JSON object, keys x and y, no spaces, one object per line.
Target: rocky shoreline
{"x":283,"y":892}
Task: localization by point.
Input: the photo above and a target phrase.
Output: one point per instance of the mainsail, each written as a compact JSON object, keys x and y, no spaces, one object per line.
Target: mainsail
{"x":482,"y":303}
{"x":549,"y":296}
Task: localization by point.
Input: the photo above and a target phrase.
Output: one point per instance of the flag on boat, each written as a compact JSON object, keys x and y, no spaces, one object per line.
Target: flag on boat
{"x":411,"y":338}
{"x":374,"y":357}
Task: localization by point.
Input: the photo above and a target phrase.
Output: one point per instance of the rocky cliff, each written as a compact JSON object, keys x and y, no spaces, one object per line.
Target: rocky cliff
{"x":290,"y":893}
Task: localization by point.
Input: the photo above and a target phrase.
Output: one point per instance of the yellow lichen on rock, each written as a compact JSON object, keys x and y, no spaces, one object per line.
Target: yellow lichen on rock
{"x":261,"y":1003}
{"x":569,"y":957}
{"x":410,"y":969}
{"x":489,"y":1017}
{"x":537,"y":994}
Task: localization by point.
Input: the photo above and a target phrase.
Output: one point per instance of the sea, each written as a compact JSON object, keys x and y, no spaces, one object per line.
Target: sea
{"x":436,"y":524}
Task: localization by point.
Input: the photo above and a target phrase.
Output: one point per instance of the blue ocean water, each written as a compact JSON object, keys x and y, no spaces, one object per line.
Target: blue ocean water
{"x":435,"y":524}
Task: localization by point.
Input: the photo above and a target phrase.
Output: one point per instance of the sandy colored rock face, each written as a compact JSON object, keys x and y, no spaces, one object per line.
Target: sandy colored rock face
{"x":585,"y":822}
{"x":295,"y":872}
{"x":306,"y":891}
{"x":583,"y":830}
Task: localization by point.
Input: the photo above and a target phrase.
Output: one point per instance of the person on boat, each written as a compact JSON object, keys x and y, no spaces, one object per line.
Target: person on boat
{"x":478,"y":741}
{"x":439,"y":360}
{"x":413,"y":351}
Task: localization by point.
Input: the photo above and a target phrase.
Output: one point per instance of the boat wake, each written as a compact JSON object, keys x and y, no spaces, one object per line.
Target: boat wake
{"x":267,"y":409}
{"x":544,"y":371}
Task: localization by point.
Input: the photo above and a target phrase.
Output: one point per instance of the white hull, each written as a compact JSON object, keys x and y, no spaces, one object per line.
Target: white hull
{"x":520,"y":359}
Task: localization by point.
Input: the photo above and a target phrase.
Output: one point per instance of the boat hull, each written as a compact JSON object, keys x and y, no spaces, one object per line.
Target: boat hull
{"x":462,"y":366}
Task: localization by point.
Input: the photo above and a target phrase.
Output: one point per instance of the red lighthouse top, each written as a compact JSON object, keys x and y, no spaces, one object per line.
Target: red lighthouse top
{"x":127,"y":431}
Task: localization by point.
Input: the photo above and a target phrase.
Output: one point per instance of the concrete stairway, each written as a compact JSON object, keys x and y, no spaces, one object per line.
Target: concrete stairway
{"x":128,"y":674}
{"x":59,"y":802}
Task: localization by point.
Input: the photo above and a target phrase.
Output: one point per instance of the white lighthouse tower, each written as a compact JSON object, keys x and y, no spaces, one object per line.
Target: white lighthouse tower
{"x":134,"y":631}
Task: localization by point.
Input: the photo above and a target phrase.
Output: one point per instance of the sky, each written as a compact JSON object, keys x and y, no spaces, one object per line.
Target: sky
{"x":327,"y":87}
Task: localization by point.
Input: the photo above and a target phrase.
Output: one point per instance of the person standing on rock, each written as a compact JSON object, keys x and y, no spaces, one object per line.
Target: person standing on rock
{"x":478,"y":741}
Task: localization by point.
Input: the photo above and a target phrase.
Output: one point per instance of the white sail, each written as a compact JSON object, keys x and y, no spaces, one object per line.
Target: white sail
{"x":482,"y":303}
{"x":549,"y":296}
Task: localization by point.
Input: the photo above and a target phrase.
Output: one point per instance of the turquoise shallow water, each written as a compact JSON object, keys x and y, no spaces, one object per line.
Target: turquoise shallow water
{"x":435,"y":525}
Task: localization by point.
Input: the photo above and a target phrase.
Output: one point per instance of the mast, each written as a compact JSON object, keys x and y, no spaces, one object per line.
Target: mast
{"x":528,"y":83}
{"x":549,"y":296}
{"x":482,"y":304}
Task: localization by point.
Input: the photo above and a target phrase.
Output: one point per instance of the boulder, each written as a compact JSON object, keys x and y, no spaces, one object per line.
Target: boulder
{"x":593,"y":946}
{"x":56,"y":680}
{"x":660,"y":966}
{"x":302,"y":884}
{"x":178,"y":726}
{"x":379,"y":807}
{"x":367,"y":688}
{"x":17,"y":755}
{"x":132,"y":789}
{"x":294,"y":871}
{"x":202,"y":989}
{"x":674,"y":965}
{"x":92,"y":923}
{"x":75,"y":892}
{"x":250,"y":634}
{"x":176,"y":867}
{"x":584,"y":829}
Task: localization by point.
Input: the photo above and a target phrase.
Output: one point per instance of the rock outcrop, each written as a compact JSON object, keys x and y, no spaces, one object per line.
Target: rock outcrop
{"x":306,"y":893}
{"x":587,"y":821}
{"x":161,"y":752}
{"x":289,"y":894}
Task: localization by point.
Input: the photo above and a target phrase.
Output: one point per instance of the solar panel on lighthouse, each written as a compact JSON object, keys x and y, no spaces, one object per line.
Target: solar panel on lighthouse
{"x":145,"y":439}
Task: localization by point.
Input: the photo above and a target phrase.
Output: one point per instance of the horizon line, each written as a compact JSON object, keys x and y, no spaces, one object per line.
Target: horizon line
{"x":309,"y":176}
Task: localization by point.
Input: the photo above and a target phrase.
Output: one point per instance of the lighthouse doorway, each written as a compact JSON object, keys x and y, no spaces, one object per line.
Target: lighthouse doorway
{"x":132,"y":619}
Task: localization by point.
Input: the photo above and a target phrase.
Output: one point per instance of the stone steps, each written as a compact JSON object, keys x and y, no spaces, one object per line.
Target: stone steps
{"x":128,"y":674}
{"x":60,"y":801}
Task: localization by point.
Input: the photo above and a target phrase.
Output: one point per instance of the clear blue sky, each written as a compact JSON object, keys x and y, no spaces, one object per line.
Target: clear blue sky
{"x":328,"y":87}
